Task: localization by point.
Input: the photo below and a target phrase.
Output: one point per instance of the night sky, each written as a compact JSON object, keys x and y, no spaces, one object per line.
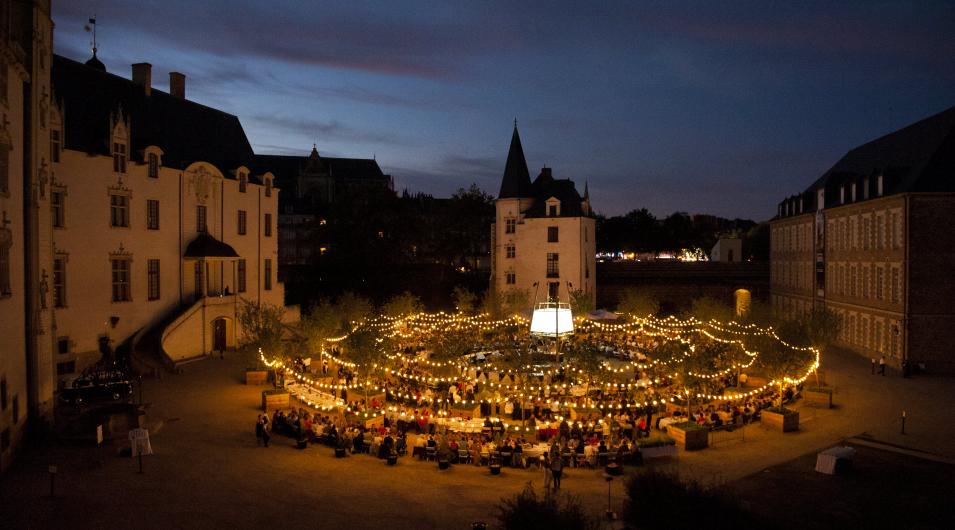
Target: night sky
{"x":699,"y":107}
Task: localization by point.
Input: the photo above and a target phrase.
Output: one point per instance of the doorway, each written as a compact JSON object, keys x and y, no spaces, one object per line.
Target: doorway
{"x":219,"y":341}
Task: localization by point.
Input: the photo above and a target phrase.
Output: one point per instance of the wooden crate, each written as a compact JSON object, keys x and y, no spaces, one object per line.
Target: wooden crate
{"x":780,"y":422}
{"x":690,"y":439}
{"x":818,"y":398}
{"x":256,"y":377}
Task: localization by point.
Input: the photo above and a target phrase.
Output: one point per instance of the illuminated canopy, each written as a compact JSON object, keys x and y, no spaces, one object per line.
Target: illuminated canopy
{"x":552,"y":319}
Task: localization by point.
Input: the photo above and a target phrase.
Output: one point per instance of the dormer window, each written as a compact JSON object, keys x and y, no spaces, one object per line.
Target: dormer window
{"x":553,"y":207}
{"x":243,"y":181}
{"x":552,"y":210}
{"x":268,"y":187}
{"x":119,"y":157}
{"x":152,"y":165}
{"x":842,"y":194}
{"x":852,"y":192}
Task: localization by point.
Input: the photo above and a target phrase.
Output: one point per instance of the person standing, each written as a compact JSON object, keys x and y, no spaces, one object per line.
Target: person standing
{"x":259,"y":430}
{"x":547,"y":472}
{"x":882,"y":365}
{"x":557,"y":469}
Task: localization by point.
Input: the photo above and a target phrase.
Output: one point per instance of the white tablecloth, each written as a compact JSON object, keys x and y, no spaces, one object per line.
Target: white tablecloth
{"x":826,"y":460}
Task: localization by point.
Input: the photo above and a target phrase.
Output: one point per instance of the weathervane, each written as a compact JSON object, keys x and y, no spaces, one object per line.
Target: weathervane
{"x":91,"y":28}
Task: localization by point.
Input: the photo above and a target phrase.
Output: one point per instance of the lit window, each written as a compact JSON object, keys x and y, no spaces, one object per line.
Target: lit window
{"x":553,"y":271}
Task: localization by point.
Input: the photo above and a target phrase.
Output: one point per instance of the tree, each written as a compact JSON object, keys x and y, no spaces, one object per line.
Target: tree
{"x":402,"y":305}
{"x":361,"y":347}
{"x":822,"y":327}
{"x":638,"y":303}
{"x":261,"y":325}
{"x":527,"y":511}
{"x":779,"y":361}
{"x":352,"y":309}
{"x":707,"y":308}
{"x":581,"y":302}
{"x":465,"y":301}
{"x":321,"y":323}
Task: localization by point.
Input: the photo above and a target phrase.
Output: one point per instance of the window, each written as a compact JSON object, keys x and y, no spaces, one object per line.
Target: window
{"x":242,"y":223}
{"x":511,"y":251}
{"x":268,"y":225}
{"x":54,"y":145}
{"x":895,"y":285}
{"x":553,"y":270}
{"x":152,"y":279}
{"x":121,"y":290}
{"x":119,"y":157}
{"x":152,"y":214}
{"x":240,"y":273}
{"x":553,"y":290}
{"x":59,"y":282}
{"x":268,"y":187}
{"x":57,"y":208}
{"x":152,"y":167}
{"x":511,"y":278}
{"x":4,"y":169}
{"x":63,"y":345}
{"x":243,"y":181}
{"x":880,"y":283}
{"x":552,"y":210}
{"x":552,"y":234}
{"x":198,"y":278}
{"x":268,"y":275}
{"x":510,"y":226}
{"x":65,"y":368}
{"x":201,"y":219}
{"x":5,"y":244}
{"x":118,"y":210}
{"x":852,"y":192}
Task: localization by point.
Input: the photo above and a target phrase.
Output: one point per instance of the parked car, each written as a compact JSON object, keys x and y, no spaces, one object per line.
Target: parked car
{"x":86,"y":390}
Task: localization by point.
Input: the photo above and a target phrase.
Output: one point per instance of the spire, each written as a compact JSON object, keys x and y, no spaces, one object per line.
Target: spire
{"x":586,"y":191}
{"x":94,"y":62}
{"x":517,"y":180}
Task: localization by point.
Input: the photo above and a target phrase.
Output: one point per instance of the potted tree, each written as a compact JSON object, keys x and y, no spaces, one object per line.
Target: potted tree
{"x":261,"y":325}
{"x":781,"y":361}
{"x":822,"y":328}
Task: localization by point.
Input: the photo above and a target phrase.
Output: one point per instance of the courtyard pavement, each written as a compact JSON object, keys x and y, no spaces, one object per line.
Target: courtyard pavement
{"x":208,"y":472}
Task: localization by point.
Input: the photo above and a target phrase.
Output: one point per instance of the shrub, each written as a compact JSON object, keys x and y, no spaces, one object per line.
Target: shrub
{"x":658,"y":499}
{"x":527,"y":511}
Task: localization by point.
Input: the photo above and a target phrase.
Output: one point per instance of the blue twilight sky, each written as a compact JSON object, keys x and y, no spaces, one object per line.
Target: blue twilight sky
{"x":712,"y":107}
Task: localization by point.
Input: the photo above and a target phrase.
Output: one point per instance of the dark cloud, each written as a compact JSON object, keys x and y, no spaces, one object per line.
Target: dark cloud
{"x":324,"y":130}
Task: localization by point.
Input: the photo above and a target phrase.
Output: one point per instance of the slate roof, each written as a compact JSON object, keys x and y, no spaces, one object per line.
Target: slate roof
{"x":286,"y":168}
{"x":517,"y":180}
{"x":561,"y":189}
{"x":206,"y":246}
{"x":916,"y":158}
{"x":186,"y":131}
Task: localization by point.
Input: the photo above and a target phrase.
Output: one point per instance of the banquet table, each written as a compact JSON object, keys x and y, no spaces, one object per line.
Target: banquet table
{"x":826,"y":461}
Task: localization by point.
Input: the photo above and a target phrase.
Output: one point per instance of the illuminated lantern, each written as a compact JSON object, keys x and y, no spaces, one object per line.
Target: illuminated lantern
{"x":552,"y":319}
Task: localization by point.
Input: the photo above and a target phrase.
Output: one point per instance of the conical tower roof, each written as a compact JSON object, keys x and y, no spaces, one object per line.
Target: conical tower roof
{"x":517,"y":180}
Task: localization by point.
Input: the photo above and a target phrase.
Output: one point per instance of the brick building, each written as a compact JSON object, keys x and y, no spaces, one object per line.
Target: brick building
{"x":873,"y":240}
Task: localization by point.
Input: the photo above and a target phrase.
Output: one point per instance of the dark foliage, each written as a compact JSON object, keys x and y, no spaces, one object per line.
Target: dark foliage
{"x":527,"y":511}
{"x":662,"y":500}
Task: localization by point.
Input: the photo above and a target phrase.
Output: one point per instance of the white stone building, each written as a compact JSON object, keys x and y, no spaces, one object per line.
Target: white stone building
{"x":542,"y":241}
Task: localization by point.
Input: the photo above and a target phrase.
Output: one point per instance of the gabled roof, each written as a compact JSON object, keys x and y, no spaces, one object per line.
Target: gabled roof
{"x":919,"y":157}
{"x":206,"y":246}
{"x":186,"y":131}
{"x":517,"y":180}
{"x":286,"y":168}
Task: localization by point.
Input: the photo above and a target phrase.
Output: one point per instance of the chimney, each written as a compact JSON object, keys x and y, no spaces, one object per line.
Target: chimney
{"x":177,"y":84}
{"x":143,"y":75}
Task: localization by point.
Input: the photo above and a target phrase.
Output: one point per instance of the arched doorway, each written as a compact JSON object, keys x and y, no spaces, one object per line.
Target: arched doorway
{"x":219,"y":337}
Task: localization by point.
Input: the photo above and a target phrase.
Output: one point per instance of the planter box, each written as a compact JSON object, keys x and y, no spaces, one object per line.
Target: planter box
{"x":467,"y":411}
{"x":272,"y":400}
{"x":818,"y":397}
{"x":780,"y":422}
{"x":256,"y":377}
{"x":661,"y":451}
{"x":690,"y":439}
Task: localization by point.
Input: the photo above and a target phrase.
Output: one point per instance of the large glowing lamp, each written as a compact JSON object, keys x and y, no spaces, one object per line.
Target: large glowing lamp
{"x":552,"y":319}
